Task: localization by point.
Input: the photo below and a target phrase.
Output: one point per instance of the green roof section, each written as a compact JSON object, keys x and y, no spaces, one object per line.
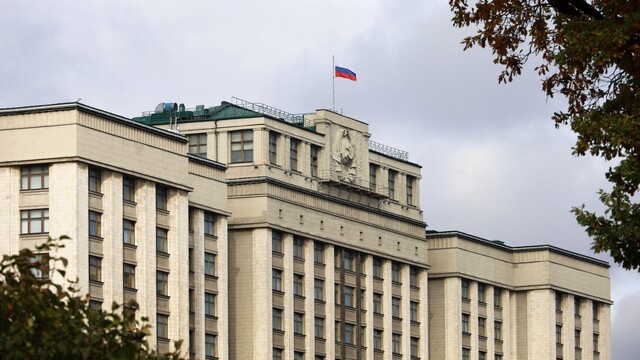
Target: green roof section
{"x":224,"y":111}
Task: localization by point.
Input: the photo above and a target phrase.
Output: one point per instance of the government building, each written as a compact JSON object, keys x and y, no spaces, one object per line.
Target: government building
{"x":253,"y":233}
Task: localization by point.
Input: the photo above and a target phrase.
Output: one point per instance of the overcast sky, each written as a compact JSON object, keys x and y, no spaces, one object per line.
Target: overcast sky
{"x":493,"y":163}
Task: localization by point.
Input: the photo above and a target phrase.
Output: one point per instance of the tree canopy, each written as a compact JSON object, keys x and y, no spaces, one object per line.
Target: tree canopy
{"x":40,"y":319}
{"x":590,"y":54}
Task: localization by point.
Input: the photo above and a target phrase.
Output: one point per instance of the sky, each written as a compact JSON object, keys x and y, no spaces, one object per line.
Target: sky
{"x":493,"y":163}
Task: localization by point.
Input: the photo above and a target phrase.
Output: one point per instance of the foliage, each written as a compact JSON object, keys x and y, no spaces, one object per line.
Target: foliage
{"x":40,"y":319}
{"x":590,"y":54}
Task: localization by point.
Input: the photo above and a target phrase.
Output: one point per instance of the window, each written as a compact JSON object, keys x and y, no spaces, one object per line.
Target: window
{"x":482,"y":355}
{"x":395,"y":271}
{"x":162,"y":283}
{"x":482,"y":293}
{"x":298,"y":284}
{"x":129,"y":276}
{"x":209,"y":304}
{"x":276,"y":242}
{"x":377,"y":339}
{"x":94,"y":224}
{"x":198,"y":144}
{"x":298,"y":355}
{"x":497,"y":330}
{"x":596,"y":341}
{"x":465,"y":324}
{"x":95,"y":305}
{"x":314,"y":160}
{"x":596,"y":308}
{"x":95,"y":179}
{"x":319,"y":328}
{"x":558,"y":301}
{"x":395,"y":307}
{"x":348,"y":297}
{"x":465,"y":354}
{"x":410,"y":181}
{"x":349,"y":332}
{"x":373,"y":172}
{"x":414,"y":346}
{"x":162,"y":245}
{"x":318,"y":289}
{"x":242,"y":146}
{"x":209,"y":223}
{"x":34,"y":221}
{"x":298,"y":323}
{"x":161,"y":197}
{"x":95,"y":268}
{"x":209,"y":345}
{"x":559,"y":334}
{"x":209,"y":264}
{"x":577,"y":338}
{"x":465,"y":289}
{"x":40,"y":263}
{"x":497,"y":297}
{"x":498,"y":357}
{"x":576,"y":306}
{"x":34,"y":177}
{"x":482,"y":326}
{"x":277,"y":354}
{"x":362,"y":299}
{"x":413,"y":276}
{"x":318,"y":252}
{"x":128,"y":189}
{"x":395,"y":344}
{"x":276,"y":280}
{"x":413,"y":311}
{"x":293,"y":154}
{"x":128,"y":232}
{"x":392,"y":184}
{"x":298,"y":247}
{"x":273,"y":148}
{"x":377,"y":267}
{"x":276,"y":318}
{"x":163,"y":326}
{"x":348,"y":260}
{"x":377,"y":303}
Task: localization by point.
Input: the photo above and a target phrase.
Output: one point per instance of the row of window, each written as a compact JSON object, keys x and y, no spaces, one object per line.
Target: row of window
{"x":482,"y":355}
{"x":391,"y":183}
{"x":482,"y":327}
{"x":577,"y":305}
{"x":482,"y":293}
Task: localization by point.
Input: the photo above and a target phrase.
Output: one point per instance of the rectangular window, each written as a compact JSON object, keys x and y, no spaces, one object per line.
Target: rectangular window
{"x":95,"y":305}
{"x":298,"y":355}
{"x":559,"y":334}
{"x":414,"y":346}
{"x":392,"y":184}
{"x":596,"y":308}
{"x":497,"y":297}
{"x":95,"y":179}
{"x":348,"y":260}
{"x":318,"y":289}
{"x":163,"y":326}
{"x":95,"y":268}
{"x":319,"y":328}
{"x":298,"y":247}
{"x":128,"y":189}
{"x":273,"y":147}
{"x":377,"y":303}
{"x":349,"y":333}
{"x":395,"y":343}
{"x":482,"y":293}
{"x":482,"y":355}
{"x":395,"y":307}
{"x":209,"y":304}
{"x":465,"y":289}
{"x":377,"y":267}
{"x":377,"y":339}
{"x":413,"y":311}
{"x":241,"y":146}
{"x":465,"y":354}
{"x":558,"y":301}
{"x":465,"y":324}
{"x":276,"y":318}
{"x":410,"y":181}
{"x":395,"y":271}
{"x":276,"y":241}
{"x":209,"y":223}
{"x":128,"y":232}
{"x":293,"y":154}
{"x":129,"y":276}
{"x":373,"y":172}
{"x":95,"y":227}
{"x":298,"y":284}
{"x":596,"y":341}
{"x":318,"y":252}
{"x":161,"y":197}
{"x":298,"y":323}
{"x":349,"y":300}
{"x":313,"y":161}
{"x":209,"y":264}
{"x":209,"y":345}
{"x":198,"y":144}
{"x":162,"y":244}
{"x":34,"y":221}
{"x":497,"y":330}
{"x":40,"y":263}
{"x":162,"y":283}
{"x":276,"y":280}
{"x":277,"y":354}
{"x":577,"y":338}
{"x":482,"y":326}
{"x":576,"y":306}
{"x":413,"y":276}
{"x":34,"y":177}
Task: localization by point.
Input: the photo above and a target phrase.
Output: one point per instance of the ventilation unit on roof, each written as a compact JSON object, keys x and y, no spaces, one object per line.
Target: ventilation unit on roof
{"x":166,"y":108}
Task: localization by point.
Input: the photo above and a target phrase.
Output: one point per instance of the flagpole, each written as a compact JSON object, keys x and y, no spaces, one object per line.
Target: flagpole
{"x":333,"y":71}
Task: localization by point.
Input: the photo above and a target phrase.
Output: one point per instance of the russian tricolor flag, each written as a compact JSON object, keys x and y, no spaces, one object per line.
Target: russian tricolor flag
{"x":346,"y":73}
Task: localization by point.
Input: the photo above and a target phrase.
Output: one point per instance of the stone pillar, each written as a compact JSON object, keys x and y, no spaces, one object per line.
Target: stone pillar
{"x":197,"y":221}
{"x":367,"y":267}
{"x":146,"y":253}
{"x":287,"y":287}
{"x":262,"y":292}
{"x":223,"y":284}
{"x":112,"y":242}
{"x":453,"y":315}
{"x":10,"y":215}
{"x":405,"y":310}
{"x":330,"y":305}
{"x":309,"y":304}
{"x":387,"y":321}
{"x":423,"y":313}
{"x":541,"y":322}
